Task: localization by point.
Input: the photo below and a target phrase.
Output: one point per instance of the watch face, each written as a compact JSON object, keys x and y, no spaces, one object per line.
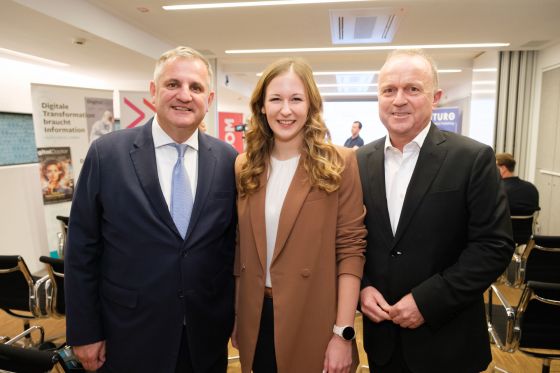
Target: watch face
{"x":348,"y":333}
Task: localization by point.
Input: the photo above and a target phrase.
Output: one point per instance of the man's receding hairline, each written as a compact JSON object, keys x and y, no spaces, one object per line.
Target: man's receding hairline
{"x":427,"y":66}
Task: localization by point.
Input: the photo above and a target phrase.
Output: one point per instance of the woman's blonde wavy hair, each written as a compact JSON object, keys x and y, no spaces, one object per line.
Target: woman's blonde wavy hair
{"x":322,"y":162}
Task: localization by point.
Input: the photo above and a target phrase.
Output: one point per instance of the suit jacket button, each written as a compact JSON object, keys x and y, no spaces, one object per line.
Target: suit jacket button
{"x":180,"y":294}
{"x":395,"y":253}
{"x":184,"y":253}
{"x":305,"y":272}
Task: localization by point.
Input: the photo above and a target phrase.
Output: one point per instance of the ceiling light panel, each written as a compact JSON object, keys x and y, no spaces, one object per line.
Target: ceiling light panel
{"x":245,"y":4}
{"x":367,"y":48}
{"x":344,"y":81}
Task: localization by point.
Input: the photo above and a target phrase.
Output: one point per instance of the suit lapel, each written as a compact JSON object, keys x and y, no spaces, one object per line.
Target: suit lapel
{"x":143,"y":158}
{"x":429,"y":162}
{"x":258,"y":222}
{"x":295,"y":197}
{"x":206,"y":167}
{"x":376,"y":179}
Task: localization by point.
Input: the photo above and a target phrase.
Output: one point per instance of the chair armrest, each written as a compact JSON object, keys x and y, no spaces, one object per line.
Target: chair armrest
{"x":501,"y":326}
{"x":41,"y":298}
{"x":514,"y":274}
{"x":26,"y":333}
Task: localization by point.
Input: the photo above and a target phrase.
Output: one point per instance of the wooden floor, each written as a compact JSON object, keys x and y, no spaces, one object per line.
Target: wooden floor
{"x":510,"y":362}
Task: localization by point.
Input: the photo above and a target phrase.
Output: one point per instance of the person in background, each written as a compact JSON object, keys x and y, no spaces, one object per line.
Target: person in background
{"x":523,"y":197}
{"x":438,"y":231}
{"x":151,"y":240}
{"x":355,"y":141}
{"x":301,"y":234}
{"x":102,"y":126}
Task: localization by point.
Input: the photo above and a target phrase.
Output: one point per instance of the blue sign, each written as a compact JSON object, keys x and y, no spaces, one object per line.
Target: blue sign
{"x":448,"y":119}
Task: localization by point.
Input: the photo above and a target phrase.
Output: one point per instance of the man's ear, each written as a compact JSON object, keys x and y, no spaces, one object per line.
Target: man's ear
{"x":210,"y":99}
{"x":437,"y":97}
{"x":153,"y":91}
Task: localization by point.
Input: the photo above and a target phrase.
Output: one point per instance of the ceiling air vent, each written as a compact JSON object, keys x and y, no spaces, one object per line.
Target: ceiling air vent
{"x":360,"y":26}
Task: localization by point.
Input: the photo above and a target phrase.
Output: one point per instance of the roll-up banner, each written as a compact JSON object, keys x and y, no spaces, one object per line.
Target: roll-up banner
{"x":66,"y":120}
{"x":136,"y":108}
{"x":448,"y":119}
{"x":231,"y":129}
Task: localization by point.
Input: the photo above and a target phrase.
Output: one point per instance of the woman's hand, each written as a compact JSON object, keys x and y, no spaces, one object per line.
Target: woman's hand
{"x":234,"y":335}
{"x":338,"y":357}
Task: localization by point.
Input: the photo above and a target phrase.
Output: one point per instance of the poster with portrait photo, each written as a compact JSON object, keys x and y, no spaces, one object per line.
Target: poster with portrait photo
{"x":57,"y":176}
{"x":100,"y":118}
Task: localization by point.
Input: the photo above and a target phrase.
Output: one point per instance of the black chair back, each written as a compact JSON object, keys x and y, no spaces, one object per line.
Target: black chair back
{"x":543,"y":259}
{"x":522,"y":227}
{"x":540,"y":319}
{"x":16,"y":284}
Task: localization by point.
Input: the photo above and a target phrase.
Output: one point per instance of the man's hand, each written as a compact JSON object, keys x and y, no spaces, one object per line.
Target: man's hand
{"x":91,"y":356}
{"x":374,"y":306}
{"x":338,"y":357}
{"x":234,"y":335}
{"x":406,"y":314}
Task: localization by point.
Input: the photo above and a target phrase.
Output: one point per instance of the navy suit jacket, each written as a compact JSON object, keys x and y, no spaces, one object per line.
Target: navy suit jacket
{"x":131,"y":279}
{"x":452,"y":241}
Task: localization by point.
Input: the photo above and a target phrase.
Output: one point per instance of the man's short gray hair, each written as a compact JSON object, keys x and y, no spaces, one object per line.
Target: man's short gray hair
{"x":182,"y":52}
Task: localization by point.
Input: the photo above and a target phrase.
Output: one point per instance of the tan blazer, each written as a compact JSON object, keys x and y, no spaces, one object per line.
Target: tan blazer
{"x":320,"y":236}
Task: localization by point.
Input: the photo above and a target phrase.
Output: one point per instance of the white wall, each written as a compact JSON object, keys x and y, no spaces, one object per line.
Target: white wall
{"x":22,"y":222}
{"x":481,"y":125}
{"x":547,"y":59}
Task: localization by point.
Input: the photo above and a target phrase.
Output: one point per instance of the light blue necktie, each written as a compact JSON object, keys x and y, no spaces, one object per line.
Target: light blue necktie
{"x":181,"y":194}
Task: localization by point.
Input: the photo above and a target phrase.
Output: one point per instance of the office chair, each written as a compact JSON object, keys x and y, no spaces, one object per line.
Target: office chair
{"x":540,"y":261}
{"x":533,"y":326}
{"x":55,"y":303}
{"x":21,"y":294}
{"x":523,"y":227}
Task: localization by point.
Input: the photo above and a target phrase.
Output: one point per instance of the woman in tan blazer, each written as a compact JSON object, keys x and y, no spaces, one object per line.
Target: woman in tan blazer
{"x":299,"y":258}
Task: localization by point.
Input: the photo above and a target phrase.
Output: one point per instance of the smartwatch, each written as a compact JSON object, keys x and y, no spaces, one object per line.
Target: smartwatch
{"x":345,"y":332}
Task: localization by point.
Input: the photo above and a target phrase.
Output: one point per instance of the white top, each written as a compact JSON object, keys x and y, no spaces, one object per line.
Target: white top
{"x":398,"y":172}
{"x":280,"y":177}
{"x":166,"y":157}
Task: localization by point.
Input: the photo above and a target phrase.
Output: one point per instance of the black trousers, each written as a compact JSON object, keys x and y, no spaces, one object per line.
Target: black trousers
{"x":184,"y":362}
{"x":396,"y":364}
{"x":265,"y":356}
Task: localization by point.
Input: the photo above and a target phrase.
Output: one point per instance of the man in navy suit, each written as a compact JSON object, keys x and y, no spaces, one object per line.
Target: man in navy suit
{"x":438,"y":231}
{"x":140,"y":295}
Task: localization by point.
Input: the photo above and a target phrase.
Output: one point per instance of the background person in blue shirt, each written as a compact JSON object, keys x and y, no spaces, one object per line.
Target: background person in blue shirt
{"x":355,"y":141}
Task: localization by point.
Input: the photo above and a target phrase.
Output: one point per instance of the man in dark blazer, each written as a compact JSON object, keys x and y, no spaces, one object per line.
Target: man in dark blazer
{"x":140,"y":295}
{"x":438,"y":232}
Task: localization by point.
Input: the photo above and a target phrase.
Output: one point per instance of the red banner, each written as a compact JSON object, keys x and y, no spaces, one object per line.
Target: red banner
{"x":227,"y":123}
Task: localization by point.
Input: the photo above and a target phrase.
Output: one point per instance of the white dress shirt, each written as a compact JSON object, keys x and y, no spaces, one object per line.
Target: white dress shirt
{"x":399,"y":167}
{"x":166,"y":157}
{"x":280,"y":177}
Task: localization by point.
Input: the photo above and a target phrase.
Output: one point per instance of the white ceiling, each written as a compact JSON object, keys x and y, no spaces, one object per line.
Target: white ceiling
{"x":122,"y":42}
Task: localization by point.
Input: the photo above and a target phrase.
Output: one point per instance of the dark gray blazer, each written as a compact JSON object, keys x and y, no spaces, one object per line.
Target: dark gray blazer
{"x":452,"y":241}
{"x":130,"y":277}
